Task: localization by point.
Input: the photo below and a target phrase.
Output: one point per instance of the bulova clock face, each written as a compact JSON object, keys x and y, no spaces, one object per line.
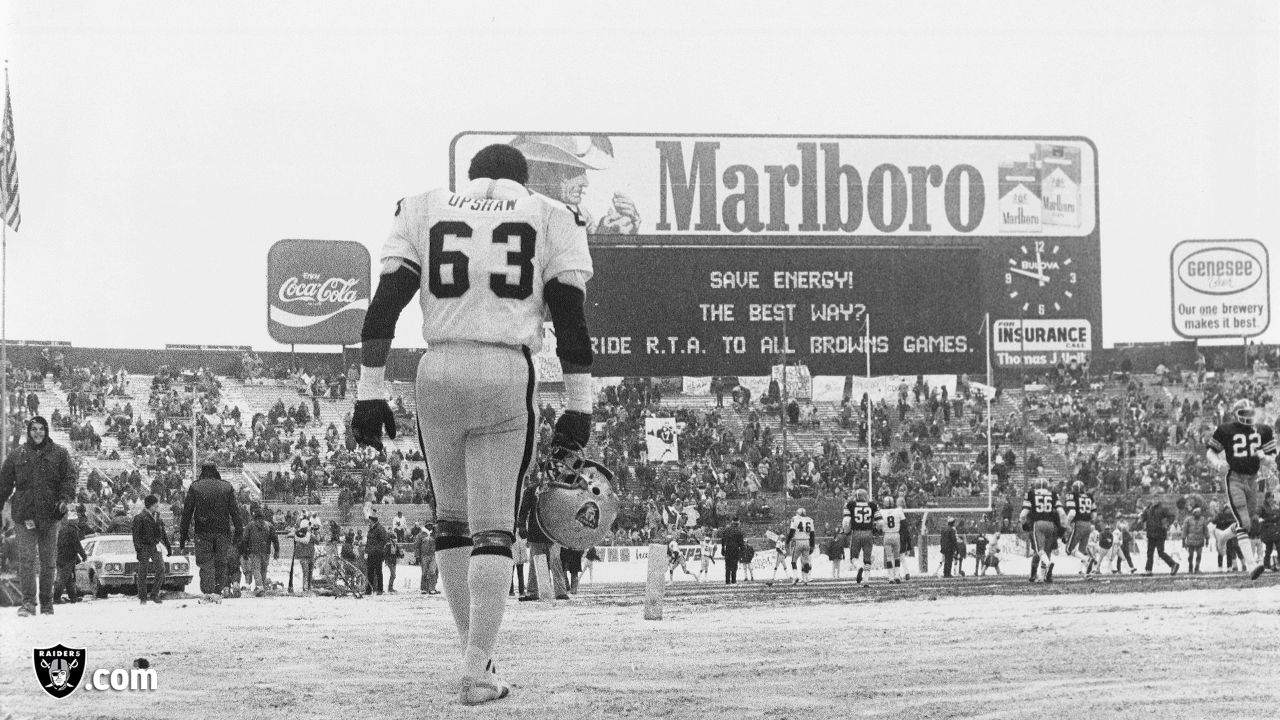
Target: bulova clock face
{"x":1041,"y":279}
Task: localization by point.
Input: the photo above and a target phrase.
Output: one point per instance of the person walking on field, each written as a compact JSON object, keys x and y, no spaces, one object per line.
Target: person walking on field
{"x":148,"y":534}
{"x":1156,"y":520}
{"x":731,"y":542}
{"x":40,"y":477}
{"x":210,"y":507}
{"x":1195,"y":532}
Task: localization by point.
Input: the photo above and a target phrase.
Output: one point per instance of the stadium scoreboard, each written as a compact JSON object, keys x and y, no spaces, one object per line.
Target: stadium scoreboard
{"x":721,"y":254}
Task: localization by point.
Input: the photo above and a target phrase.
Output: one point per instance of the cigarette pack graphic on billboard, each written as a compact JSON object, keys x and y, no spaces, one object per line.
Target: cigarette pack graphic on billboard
{"x":317,"y":291}
{"x":1020,"y":204}
{"x":1059,"y":183}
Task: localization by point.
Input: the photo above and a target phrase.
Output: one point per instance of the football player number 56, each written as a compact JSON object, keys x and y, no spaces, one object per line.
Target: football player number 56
{"x":499,"y":282}
{"x":1044,"y":503}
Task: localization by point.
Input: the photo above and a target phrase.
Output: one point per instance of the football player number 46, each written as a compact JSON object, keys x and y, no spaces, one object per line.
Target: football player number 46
{"x":499,"y":282}
{"x":1246,"y":445}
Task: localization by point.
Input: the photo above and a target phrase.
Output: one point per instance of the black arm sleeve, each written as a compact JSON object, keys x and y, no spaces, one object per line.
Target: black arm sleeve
{"x":394,"y":292}
{"x":573,"y":342}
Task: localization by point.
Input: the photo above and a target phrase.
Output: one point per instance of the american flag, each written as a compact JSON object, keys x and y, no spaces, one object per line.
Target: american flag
{"x":10,"y":208}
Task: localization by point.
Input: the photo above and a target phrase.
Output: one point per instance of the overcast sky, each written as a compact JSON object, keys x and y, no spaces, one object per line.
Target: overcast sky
{"x":163,"y":147}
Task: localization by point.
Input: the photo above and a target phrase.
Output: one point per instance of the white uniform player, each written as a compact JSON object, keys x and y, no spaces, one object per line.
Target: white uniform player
{"x":802,"y":539}
{"x":893,"y":518}
{"x":489,"y":262}
{"x":706,"y":555}
{"x":780,"y":558}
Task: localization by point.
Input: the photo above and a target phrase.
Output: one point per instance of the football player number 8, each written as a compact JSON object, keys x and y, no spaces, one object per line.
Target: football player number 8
{"x":1243,"y":445}
{"x":499,"y":282}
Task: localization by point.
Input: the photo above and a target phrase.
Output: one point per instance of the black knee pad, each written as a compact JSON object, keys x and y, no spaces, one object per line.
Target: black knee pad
{"x":452,"y":534}
{"x":492,"y":542}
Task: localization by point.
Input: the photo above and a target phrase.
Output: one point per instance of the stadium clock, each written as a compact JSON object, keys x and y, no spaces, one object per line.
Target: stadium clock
{"x":1041,"y":279}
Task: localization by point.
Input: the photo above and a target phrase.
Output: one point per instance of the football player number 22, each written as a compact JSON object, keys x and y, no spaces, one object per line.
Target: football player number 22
{"x":1243,"y":445}
{"x":500,"y":283}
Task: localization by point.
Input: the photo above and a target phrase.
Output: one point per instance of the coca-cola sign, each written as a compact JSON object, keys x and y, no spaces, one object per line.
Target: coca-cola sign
{"x":317,"y":291}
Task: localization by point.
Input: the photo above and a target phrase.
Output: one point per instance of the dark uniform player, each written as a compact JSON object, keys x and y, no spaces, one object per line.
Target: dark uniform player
{"x":1080,"y":507}
{"x":1239,"y":447}
{"x":1041,"y":517}
{"x":861,"y":516}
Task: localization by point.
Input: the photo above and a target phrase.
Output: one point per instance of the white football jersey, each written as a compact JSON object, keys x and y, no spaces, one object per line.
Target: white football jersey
{"x":485,"y":253}
{"x":893,"y":518}
{"x":802,"y":525}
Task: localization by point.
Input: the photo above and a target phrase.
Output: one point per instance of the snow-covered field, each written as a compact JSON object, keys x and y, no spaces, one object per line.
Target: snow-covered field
{"x":1116,"y":647}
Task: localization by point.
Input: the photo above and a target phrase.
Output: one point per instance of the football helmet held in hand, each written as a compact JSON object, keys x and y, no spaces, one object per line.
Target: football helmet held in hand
{"x":576,"y":504}
{"x":370,"y":419}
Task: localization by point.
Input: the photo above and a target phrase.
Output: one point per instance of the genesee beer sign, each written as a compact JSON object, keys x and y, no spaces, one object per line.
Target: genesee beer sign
{"x":716,"y":254}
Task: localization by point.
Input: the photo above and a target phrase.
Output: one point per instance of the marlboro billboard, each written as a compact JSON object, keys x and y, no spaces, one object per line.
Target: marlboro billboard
{"x":717,"y":254}
{"x":317,"y":291}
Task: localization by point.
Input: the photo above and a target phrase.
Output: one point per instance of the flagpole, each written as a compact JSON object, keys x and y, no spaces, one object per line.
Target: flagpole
{"x":4,"y":334}
{"x":990,"y":394}
{"x":866,"y":347}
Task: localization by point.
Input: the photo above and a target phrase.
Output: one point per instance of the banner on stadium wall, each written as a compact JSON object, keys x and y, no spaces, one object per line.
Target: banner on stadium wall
{"x":600,"y":383}
{"x":546,"y":365}
{"x":799,"y":383}
{"x":317,"y":291}
{"x":798,"y":244}
{"x":662,"y":439}
{"x":757,"y":385}
{"x":828,"y":388}
{"x":696,"y":385}
{"x":886,"y":387}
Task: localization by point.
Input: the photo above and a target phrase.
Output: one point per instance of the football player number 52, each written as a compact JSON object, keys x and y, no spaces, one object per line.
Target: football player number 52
{"x":499,"y":282}
{"x":1243,"y":445}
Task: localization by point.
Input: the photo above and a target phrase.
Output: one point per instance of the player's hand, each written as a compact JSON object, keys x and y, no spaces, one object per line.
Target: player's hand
{"x":370,"y":419}
{"x":1026,"y":526}
{"x":572,"y":433}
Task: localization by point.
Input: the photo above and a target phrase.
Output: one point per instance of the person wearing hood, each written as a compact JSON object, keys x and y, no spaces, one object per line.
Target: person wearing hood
{"x":42,"y":480}
{"x":210,"y":506}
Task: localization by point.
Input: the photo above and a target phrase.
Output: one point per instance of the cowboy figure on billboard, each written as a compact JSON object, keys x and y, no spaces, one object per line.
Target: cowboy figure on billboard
{"x":558,"y":166}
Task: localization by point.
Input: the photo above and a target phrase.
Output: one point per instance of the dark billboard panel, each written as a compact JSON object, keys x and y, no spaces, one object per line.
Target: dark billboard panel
{"x":707,"y":311}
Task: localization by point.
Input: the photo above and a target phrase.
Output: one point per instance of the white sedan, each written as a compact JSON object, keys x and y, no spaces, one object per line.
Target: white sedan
{"x":111,"y":565}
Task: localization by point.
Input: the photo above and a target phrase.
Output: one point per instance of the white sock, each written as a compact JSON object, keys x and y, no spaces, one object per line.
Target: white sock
{"x":454,"y":564}
{"x":488,"y":581}
{"x":1246,"y":549}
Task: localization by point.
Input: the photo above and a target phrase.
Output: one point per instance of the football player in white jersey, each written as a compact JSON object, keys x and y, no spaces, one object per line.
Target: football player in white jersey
{"x":706,"y":556}
{"x":489,"y":260}
{"x":893,"y":517}
{"x":802,"y":539}
{"x":780,"y":558}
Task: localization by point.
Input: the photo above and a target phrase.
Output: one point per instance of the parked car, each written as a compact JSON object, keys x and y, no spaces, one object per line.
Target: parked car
{"x":111,"y":565}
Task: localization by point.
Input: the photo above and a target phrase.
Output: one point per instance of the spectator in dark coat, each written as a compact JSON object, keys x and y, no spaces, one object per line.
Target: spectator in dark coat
{"x":571,"y":561}
{"x":375,"y":546}
{"x":70,"y":554}
{"x":949,"y":541}
{"x":731,"y":542}
{"x":1269,"y":531}
{"x":260,"y":542}
{"x":1156,"y":520}
{"x":211,"y":506}
{"x":42,"y":480}
{"x":148,"y":534}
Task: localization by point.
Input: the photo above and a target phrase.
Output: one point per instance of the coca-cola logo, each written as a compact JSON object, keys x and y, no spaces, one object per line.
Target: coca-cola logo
{"x":312,"y":289}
